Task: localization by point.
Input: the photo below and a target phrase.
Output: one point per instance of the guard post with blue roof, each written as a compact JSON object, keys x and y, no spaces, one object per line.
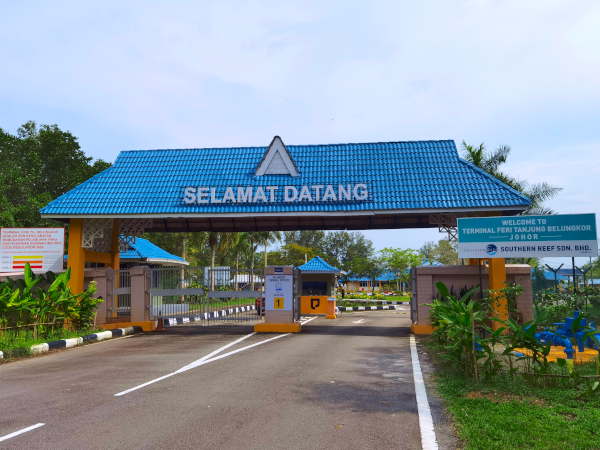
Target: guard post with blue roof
{"x":317,"y":283}
{"x":353,"y":186}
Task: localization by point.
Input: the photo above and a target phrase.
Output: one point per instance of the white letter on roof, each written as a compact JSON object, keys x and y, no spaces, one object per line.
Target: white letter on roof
{"x":229,"y":196}
{"x":244,"y":194}
{"x":202,"y":195}
{"x":344,"y":193}
{"x":189,"y":195}
{"x":317,"y":189}
{"x":305,"y":194}
{"x":360,"y":192}
{"x":260,"y":195}
{"x":272,"y":190}
{"x":213,"y":196}
{"x":290,"y":194}
{"x":329,"y":193}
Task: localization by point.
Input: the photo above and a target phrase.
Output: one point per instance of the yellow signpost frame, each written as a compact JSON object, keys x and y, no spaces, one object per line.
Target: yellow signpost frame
{"x":78,"y":256}
{"x":496,"y":282}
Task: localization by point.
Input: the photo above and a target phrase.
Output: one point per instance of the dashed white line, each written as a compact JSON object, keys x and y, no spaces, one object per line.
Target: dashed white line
{"x":19,"y":432}
{"x":359,"y":321}
{"x":428,"y":439}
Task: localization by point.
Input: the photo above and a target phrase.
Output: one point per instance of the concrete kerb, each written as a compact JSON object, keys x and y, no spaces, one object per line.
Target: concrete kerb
{"x":368,"y":308}
{"x":74,"y":342}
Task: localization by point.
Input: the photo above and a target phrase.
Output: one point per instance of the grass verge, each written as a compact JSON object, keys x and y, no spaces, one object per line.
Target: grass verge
{"x":15,"y":344}
{"x":509,"y":413}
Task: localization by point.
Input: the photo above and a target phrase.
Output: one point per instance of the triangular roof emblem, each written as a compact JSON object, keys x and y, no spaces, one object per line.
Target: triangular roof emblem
{"x":277,"y":161}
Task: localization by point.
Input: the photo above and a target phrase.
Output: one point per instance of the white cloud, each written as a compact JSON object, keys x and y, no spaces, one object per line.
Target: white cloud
{"x":235,"y":73}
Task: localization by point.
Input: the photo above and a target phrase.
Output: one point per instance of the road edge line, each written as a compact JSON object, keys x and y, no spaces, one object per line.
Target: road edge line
{"x":428,"y":439}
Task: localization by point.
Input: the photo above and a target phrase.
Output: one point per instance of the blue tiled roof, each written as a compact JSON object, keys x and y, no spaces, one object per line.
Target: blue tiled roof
{"x":429,"y":263}
{"x":400,"y":176}
{"x":144,"y":249}
{"x":318,"y":264}
{"x":385,"y":276}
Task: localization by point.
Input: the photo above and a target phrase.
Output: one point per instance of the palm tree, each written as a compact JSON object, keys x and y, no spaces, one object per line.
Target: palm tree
{"x":239,"y":246}
{"x":491,"y":163}
{"x":267,"y":238}
{"x":218,"y":242}
{"x":257,"y":238}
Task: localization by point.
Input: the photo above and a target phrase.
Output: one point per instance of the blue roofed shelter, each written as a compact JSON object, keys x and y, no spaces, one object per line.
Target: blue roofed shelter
{"x":379,"y":185}
{"x":142,"y":251}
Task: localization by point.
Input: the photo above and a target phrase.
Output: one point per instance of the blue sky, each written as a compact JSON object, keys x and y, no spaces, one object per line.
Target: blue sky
{"x":170,"y":74}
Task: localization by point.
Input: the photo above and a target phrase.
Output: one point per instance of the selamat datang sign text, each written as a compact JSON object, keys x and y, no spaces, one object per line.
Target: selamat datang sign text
{"x":197,"y":195}
{"x":528,"y":236}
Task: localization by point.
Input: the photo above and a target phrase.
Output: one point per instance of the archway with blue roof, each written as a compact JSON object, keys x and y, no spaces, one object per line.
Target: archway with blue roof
{"x":357,"y":186}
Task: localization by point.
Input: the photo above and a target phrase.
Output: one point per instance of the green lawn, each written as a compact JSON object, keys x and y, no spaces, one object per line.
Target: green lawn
{"x":206,"y":305}
{"x":18,"y":343}
{"x":511,"y":414}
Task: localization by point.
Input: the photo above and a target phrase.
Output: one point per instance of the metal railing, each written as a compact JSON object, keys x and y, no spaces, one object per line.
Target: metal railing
{"x":219,"y":296}
{"x":123,"y":293}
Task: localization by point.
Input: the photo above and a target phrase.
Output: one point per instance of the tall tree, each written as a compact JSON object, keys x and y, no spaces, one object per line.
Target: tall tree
{"x":399,"y":260}
{"x":296,"y":255}
{"x":492,"y":161}
{"x":341,"y":247}
{"x":366,"y":266}
{"x":267,"y":238}
{"x":38,"y":165}
{"x":305,"y":238}
{"x":444,"y":252}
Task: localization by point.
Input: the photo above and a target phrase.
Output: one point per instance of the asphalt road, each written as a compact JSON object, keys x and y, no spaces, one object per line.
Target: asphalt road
{"x":340,"y":384}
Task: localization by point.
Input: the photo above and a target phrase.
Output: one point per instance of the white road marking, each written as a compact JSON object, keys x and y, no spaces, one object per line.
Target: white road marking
{"x":359,"y":321}
{"x":204,"y":360}
{"x":302,"y":322}
{"x":220,"y":349}
{"x":428,"y":439}
{"x":19,"y":432}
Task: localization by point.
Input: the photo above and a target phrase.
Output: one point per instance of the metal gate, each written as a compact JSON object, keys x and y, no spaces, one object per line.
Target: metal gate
{"x":219,"y":296}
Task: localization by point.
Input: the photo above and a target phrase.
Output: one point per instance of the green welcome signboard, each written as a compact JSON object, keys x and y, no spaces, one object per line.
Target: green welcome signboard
{"x":527,"y":236}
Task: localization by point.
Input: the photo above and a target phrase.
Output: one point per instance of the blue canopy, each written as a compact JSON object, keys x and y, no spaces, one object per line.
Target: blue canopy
{"x":318,"y":265}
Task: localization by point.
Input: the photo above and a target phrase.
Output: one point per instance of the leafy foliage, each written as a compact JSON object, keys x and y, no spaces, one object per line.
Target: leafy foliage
{"x":45,"y":301}
{"x":492,"y":161}
{"x":444,"y":252}
{"x":38,"y":165}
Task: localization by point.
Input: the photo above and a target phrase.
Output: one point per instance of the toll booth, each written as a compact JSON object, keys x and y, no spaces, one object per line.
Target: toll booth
{"x":317,"y":283}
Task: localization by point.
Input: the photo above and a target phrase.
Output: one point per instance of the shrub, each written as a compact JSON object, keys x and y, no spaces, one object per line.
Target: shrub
{"x":44,"y":302}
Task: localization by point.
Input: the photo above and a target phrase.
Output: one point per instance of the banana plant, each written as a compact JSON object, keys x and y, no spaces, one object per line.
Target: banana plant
{"x":458,"y":323}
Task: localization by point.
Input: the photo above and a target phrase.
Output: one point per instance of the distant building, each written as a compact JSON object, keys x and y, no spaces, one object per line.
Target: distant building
{"x":365,"y":284}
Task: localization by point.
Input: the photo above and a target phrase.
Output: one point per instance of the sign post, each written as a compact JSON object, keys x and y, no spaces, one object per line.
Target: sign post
{"x":42,"y":248}
{"x":279,"y":301}
{"x":528,"y":236}
{"x":497,"y":238}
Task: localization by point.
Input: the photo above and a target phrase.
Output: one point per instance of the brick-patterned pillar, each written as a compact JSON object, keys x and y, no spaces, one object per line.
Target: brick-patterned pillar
{"x":140,"y":293}
{"x":425,"y":293}
{"x":104,"y":278}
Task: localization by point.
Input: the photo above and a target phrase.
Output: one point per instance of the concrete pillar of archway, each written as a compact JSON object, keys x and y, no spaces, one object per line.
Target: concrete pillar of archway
{"x":496,"y":282}
{"x":116,"y":263}
{"x":76,"y":258}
